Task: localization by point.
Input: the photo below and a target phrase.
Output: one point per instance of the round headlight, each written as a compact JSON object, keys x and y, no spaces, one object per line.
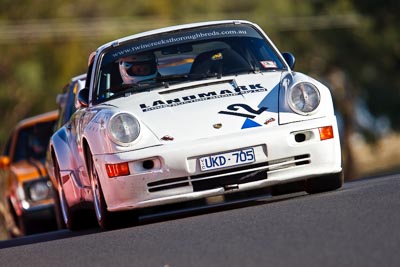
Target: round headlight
{"x":39,"y":190}
{"x":123,"y":128}
{"x":304,"y":98}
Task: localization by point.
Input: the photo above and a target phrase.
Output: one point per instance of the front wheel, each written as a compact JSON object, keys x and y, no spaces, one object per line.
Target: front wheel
{"x":107,"y":220}
{"x":68,"y":216}
{"x":324,"y":183}
{"x":100,"y":207}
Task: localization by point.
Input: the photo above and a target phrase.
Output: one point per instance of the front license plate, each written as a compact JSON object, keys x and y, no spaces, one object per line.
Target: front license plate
{"x":228,"y":159}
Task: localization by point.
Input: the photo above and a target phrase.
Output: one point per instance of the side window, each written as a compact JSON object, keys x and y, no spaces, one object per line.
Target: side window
{"x":109,"y":77}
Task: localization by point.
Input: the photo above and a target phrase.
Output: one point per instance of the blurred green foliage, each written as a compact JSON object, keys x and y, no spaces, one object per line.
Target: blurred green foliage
{"x":351,"y":45}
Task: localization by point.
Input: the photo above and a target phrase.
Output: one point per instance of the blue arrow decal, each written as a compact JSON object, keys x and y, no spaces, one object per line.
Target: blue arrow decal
{"x":248,"y":123}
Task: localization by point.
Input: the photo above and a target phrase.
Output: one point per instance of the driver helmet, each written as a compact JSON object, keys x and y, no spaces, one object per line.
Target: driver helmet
{"x":138,"y":67}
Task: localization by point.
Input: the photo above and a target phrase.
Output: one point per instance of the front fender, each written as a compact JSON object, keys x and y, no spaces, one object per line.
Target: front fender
{"x":66,"y":153}
{"x":287,"y":115}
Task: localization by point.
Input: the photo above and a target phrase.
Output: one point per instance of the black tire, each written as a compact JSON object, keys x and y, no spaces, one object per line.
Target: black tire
{"x":324,"y":183}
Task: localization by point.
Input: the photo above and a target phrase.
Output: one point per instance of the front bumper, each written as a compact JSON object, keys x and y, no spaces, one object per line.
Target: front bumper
{"x":40,"y":213}
{"x":171,"y":173}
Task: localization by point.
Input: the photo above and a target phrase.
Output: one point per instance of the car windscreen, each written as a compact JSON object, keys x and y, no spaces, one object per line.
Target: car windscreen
{"x":183,"y":56}
{"x":32,"y":141}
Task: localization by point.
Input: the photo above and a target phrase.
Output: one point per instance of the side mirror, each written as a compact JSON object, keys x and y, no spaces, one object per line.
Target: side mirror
{"x":290,"y":59}
{"x":83,"y":97}
{"x":4,"y":162}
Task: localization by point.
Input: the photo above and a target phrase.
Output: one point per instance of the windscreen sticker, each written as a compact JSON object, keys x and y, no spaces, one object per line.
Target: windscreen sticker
{"x":268,"y":64}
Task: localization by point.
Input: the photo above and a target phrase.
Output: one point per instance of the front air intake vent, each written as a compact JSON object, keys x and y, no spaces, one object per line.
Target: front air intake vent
{"x":167,"y":184}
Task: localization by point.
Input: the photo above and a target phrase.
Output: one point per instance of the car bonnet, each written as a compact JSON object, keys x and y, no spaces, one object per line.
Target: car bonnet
{"x":28,"y":169}
{"x":207,"y":108}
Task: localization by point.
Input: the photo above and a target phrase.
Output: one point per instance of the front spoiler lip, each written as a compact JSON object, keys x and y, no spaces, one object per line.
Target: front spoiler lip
{"x":38,"y":207}
{"x":207,"y":193}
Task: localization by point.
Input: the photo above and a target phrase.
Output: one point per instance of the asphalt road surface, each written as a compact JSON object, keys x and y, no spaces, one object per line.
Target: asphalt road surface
{"x":358,"y":225}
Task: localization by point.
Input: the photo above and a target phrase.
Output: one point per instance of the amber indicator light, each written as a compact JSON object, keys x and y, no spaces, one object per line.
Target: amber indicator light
{"x":325,"y":132}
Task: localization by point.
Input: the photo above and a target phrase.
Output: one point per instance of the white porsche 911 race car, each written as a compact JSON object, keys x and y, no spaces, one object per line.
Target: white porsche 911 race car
{"x":190,"y":112}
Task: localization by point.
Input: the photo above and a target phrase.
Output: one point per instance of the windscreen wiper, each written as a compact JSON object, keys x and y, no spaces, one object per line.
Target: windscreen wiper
{"x":125,"y":89}
{"x":172,"y":78}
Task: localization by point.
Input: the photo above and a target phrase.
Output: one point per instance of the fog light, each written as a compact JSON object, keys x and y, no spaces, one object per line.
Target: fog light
{"x":300,"y":137}
{"x":119,"y":169}
{"x":148,"y":164}
{"x":325,"y":132}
